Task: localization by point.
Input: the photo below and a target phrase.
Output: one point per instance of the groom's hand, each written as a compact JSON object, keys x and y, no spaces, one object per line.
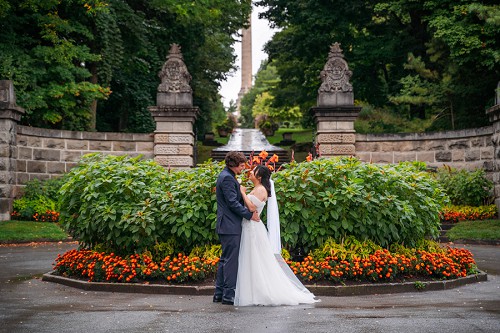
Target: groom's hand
{"x":255,"y":217}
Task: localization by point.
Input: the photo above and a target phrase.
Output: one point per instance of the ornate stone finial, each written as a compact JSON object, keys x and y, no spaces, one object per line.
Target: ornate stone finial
{"x":335,"y":88}
{"x":174,"y":74}
{"x":174,"y":88}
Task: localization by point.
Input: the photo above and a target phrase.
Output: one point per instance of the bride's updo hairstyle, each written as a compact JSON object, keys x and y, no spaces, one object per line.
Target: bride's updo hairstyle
{"x":265,"y":177}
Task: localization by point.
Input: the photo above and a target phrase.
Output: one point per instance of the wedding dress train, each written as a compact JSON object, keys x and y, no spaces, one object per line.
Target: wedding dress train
{"x":261,"y":279}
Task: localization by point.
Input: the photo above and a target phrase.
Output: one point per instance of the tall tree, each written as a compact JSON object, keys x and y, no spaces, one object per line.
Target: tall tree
{"x":425,"y":56}
{"x":121,"y":44}
{"x":41,"y":52}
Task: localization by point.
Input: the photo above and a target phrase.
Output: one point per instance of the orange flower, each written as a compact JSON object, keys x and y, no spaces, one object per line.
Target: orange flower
{"x":309,"y":157}
{"x":263,"y":154}
{"x":274,"y":159}
{"x":256,"y":159}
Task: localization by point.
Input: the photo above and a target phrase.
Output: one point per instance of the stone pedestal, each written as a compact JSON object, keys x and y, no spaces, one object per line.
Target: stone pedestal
{"x":335,"y":112}
{"x":10,"y":114}
{"x":174,"y":114}
{"x":335,"y":130}
{"x":174,"y":137}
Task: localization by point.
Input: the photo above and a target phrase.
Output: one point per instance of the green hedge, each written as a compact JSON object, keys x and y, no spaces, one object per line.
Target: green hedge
{"x":342,"y":196}
{"x":466,"y":188}
{"x":130,"y":204}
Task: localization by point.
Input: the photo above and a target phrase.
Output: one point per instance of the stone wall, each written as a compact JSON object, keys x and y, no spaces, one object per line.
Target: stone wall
{"x":464,"y":149}
{"x":44,"y":153}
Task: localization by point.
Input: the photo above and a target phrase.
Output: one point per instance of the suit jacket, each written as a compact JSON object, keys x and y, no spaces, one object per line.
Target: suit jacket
{"x":230,"y":206}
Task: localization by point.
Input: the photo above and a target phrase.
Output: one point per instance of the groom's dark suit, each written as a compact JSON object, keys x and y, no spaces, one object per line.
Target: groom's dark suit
{"x":230,"y":213}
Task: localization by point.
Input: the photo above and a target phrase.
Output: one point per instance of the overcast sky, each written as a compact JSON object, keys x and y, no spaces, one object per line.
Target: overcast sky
{"x":261,"y":33}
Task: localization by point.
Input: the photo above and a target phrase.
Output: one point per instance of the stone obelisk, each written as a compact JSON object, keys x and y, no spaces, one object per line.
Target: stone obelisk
{"x":246,"y":63}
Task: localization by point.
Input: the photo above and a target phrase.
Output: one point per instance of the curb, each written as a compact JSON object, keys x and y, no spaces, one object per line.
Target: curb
{"x":357,"y":290}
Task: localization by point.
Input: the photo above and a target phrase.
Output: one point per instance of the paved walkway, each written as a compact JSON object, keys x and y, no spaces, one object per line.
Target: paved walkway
{"x":246,"y":139}
{"x":30,"y":305}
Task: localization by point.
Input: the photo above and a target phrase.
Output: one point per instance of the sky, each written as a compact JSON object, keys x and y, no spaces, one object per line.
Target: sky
{"x":261,"y":33}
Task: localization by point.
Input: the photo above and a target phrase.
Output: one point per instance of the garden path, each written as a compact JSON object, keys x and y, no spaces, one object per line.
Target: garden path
{"x":247,"y":140}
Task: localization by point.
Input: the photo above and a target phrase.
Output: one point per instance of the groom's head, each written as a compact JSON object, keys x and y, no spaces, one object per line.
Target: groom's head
{"x":235,"y":161}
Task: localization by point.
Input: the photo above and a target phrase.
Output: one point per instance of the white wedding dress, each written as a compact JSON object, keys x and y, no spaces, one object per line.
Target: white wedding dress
{"x":263,"y":278}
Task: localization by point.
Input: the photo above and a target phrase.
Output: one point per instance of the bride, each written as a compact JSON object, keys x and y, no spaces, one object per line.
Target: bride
{"x":264,"y":278}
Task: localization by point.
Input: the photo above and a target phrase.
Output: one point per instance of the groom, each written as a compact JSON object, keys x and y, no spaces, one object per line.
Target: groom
{"x":230,"y":213}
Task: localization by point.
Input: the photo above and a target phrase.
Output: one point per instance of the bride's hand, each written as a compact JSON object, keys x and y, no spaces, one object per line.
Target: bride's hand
{"x":243,"y":189}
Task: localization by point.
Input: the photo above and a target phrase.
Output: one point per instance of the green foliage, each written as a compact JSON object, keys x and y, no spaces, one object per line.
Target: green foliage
{"x":45,"y":52}
{"x":25,"y":208}
{"x":351,"y":247}
{"x":342,"y":196}
{"x":189,"y":209}
{"x":131,"y":205}
{"x":38,"y":198}
{"x":65,"y":56}
{"x":347,"y":248}
{"x":259,"y":101}
{"x":469,"y":188}
{"x":384,"y":120}
{"x":208,"y":251}
{"x":162,"y":250}
{"x":425,"y":56}
{"x":113,"y":200}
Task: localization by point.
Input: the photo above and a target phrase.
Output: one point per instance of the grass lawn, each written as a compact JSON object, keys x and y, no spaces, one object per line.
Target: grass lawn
{"x":23,"y":231}
{"x":477,"y":230}
{"x":300,"y":135}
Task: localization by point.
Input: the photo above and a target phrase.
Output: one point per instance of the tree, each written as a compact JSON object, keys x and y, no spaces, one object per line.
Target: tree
{"x":64,"y":55}
{"x":457,"y":42}
{"x":42,"y":54}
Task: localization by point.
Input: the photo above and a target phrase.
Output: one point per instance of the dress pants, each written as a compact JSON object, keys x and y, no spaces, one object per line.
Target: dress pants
{"x":227,"y":271}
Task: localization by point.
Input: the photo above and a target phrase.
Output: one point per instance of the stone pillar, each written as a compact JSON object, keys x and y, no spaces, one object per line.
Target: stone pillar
{"x":335,"y":112}
{"x":10,"y":114}
{"x":494,"y":115}
{"x":174,"y":114}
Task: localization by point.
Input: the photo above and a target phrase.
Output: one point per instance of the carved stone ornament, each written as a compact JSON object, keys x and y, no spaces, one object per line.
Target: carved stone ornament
{"x":335,"y":75}
{"x":174,"y":75}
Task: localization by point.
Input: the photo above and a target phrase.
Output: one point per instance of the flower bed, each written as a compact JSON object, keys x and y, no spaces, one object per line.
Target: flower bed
{"x":381,"y":266}
{"x":462,"y":213}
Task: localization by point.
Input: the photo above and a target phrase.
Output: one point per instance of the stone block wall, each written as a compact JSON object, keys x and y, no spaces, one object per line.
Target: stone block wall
{"x":464,"y":149}
{"x":44,"y":153}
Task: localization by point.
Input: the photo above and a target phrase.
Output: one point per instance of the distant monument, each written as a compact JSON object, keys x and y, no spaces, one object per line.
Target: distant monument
{"x":246,"y":63}
{"x":335,"y":111}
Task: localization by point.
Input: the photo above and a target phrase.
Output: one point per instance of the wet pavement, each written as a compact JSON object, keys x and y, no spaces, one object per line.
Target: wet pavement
{"x":28,"y":304}
{"x":248,"y":140}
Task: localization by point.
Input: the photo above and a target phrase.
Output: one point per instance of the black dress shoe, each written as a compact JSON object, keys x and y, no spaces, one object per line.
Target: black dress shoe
{"x":228,"y":301}
{"x":217,"y":299}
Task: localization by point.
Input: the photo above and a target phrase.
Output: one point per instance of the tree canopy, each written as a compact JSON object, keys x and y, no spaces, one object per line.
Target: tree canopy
{"x":425,"y":59}
{"x":93,"y":64}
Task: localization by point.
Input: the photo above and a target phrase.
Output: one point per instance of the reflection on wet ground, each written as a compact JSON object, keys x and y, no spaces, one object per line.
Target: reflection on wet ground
{"x":246,"y":139}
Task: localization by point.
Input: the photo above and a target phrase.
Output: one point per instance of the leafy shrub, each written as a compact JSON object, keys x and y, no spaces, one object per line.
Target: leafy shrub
{"x":26,"y":208}
{"x":131,"y":205}
{"x":114,"y":200}
{"x":466,"y":188}
{"x":38,"y":201}
{"x":342,"y":196}
{"x":189,"y":208}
